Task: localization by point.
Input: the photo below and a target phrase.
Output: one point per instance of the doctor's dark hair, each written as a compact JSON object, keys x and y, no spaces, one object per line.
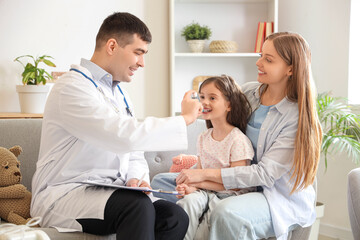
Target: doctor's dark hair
{"x":122,"y":26}
{"x":240,"y":109}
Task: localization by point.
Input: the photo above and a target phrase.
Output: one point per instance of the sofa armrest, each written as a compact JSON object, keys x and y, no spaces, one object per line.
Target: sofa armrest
{"x":353,"y":200}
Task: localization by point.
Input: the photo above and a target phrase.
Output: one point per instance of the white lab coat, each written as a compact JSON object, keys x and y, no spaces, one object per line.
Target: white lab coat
{"x":84,"y":138}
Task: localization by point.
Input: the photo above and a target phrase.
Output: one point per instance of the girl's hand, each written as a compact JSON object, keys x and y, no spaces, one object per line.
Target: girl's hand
{"x":190,"y":189}
{"x":181,"y":190}
{"x":189,"y":176}
{"x":184,"y":189}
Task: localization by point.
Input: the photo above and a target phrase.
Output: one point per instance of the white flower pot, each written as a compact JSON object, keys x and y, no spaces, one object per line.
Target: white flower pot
{"x":32,"y":98}
{"x":196,"y":46}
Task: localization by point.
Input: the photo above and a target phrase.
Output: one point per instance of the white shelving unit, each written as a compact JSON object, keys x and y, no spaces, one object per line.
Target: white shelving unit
{"x":234,"y":20}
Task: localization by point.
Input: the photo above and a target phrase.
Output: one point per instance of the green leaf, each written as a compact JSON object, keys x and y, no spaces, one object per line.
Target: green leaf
{"x":17,"y":59}
{"x":341,"y":128}
{"x":194,"y":32}
{"x":32,"y":74}
{"x":49,"y":77}
{"x":49,"y":63}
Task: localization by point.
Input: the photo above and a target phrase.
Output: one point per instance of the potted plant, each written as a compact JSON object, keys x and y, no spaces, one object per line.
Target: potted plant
{"x":341,"y":128}
{"x":33,"y":92}
{"x":195,"y":35}
{"x":341,"y":133}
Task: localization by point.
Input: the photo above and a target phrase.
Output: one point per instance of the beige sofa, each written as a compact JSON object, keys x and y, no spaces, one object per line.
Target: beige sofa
{"x":26,"y":133}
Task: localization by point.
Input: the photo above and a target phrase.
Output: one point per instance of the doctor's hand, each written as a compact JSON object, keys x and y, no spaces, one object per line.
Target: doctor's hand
{"x":133,"y":182}
{"x":190,"y":108}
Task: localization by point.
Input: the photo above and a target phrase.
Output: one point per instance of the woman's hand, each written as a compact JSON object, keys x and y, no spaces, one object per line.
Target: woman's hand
{"x":194,"y":176}
{"x":189,"y":176}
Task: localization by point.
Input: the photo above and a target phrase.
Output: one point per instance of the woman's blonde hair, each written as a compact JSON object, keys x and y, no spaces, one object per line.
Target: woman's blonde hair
{"x":295,"y":51}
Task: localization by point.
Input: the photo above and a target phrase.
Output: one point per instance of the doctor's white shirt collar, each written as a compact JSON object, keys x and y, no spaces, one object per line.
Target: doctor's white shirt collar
{"x":98,"y":74}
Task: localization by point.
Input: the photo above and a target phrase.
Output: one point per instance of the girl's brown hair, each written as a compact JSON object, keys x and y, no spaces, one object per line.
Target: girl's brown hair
{"x":295,"y":51}
{"x":240,"y":109}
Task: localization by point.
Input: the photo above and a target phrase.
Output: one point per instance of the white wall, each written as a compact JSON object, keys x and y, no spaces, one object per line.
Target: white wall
{"x":354,"y":49}
{"x":63,"y":29}
{"x":157,"y":70}
{"x":66,"y":30}
{"x":325,"y":25}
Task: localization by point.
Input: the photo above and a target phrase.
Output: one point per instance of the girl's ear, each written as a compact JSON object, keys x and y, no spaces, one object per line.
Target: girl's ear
{"x":228,"y":107}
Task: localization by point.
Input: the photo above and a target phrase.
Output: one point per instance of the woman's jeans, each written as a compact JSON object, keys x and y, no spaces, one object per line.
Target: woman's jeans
{"x":246,"y":216}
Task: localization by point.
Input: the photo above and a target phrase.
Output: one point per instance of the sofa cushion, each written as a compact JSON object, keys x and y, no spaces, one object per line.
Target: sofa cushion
{"x":160,"y":162}
{"x":183,"y":161}
{"x":25,"y":133}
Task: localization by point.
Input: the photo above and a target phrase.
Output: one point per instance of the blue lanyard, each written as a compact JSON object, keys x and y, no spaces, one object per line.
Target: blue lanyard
{"x":97,"y":87}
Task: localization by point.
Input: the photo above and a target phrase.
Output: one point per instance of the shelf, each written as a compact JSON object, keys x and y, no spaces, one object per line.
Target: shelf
{"x":216,"y":55}
{"x":12,"y":115}
{"x":231,"y":20}
{"x":221,"y":1}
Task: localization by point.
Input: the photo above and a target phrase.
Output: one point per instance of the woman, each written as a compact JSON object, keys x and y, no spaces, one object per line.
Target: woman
{"x":286,"y":134}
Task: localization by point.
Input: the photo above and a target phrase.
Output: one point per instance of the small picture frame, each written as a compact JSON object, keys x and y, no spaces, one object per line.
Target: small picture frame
{"x":197,"y":82}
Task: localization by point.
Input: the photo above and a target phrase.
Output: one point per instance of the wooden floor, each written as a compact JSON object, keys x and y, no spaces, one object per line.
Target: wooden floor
{"x":321,"y":237}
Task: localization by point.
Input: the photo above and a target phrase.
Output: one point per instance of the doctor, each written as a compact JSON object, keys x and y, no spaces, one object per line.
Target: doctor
{"x":89,"y":133}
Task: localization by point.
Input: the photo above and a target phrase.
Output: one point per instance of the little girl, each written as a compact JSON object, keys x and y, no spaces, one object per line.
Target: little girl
{"x":224,"y":144}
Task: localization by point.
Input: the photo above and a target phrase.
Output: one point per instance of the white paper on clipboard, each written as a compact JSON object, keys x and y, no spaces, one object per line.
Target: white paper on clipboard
{"x":143,"y":189}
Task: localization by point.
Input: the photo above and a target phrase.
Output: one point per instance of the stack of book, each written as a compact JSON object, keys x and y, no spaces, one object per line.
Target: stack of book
{"x":264,"y":30}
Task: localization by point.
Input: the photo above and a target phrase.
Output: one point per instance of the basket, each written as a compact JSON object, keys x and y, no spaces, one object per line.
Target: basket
{"x":223,"y":46}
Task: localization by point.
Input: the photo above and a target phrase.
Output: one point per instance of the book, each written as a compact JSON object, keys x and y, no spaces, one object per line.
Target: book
{"x":143,"y":189}
{"x":269,"y":29}
{"x":260,"y":37}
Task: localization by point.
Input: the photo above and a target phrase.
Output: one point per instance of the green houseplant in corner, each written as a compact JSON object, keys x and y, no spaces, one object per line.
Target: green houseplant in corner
{"x":195,"y":35}
{"x":341,"y":133}
{"x":341,"y":128}
{"x":33,"y":92}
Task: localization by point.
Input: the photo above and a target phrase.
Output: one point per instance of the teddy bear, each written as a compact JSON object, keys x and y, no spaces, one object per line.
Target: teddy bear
{"x":14,"y":197}
{"x":183,"y":161}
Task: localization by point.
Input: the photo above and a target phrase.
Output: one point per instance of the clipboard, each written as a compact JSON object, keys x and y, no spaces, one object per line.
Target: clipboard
{"x":143,"y":189}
